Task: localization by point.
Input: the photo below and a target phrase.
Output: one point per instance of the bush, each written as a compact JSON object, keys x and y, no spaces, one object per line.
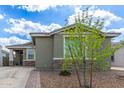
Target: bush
{"x":5,"y":61}
{"x":102,"y":66}
{"x":65,"y":73}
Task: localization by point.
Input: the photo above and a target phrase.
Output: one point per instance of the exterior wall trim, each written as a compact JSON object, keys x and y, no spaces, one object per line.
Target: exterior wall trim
{"x":58,"y":58}
{"x":27,"y":55}
{"x":40,"y":34}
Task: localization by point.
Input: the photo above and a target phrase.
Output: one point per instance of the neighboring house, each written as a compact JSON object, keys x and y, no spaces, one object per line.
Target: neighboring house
{"x":4,"y":57}
{"x":22,"y":54}
{"x":46,"y":50}
{"x":1,"y":58}
{"x":118,"y":56}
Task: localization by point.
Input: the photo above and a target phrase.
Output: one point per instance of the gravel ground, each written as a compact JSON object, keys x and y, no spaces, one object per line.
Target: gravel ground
{"x":109,"y":79}
{"x":33,"y":80}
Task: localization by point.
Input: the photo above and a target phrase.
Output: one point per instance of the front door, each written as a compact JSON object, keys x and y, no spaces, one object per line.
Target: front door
{"x":21,"y":58}
{"x":18,"y":61}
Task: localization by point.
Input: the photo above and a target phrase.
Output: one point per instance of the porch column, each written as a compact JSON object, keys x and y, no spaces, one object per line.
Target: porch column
{"x":1,"y":56}
{"x":11,"y":59}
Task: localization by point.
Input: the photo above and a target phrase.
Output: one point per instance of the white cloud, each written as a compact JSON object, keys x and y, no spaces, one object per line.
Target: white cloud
{"x":120,"y":30}
{"x":38,"y":8}
{"x":108,"y":16}
{"x":11,"y":41}
{"x":93,"y":10}
{"x":1,"y":16}
{"x":24,"y":27}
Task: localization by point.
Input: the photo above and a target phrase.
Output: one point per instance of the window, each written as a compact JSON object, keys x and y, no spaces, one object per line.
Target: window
{"x":30,"y":54}
{"x":112,"y":58}
{"x":75,"y":50}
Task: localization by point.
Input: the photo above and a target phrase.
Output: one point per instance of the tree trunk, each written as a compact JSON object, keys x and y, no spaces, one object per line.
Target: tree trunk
{"x":84,"y":69}
{"x":78,"y":76}
{"x":91,"y":70}
{"x":84,"y":72}
{"x":91,"y":74}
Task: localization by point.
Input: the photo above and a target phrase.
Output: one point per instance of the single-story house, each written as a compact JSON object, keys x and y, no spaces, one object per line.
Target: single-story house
{"x":46,"y":51}
{"x":22,"y":54}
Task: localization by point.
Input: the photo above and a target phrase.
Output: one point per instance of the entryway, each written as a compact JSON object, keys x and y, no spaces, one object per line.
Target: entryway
{"x":18,"y":60}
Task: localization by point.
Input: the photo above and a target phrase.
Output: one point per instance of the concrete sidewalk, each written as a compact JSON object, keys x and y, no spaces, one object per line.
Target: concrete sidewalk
{"x":118,"y":68}
{"x":14,"y":77}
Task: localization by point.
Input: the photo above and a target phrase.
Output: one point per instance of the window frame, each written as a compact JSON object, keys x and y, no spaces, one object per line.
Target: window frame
{"x":27,"y":53}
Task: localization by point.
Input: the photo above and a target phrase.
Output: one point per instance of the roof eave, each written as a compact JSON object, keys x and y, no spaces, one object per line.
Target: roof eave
{"x":112,"y":35}
{"x":17,"y":47}
{"x":25,"y":45}
{"x":39,"y":34}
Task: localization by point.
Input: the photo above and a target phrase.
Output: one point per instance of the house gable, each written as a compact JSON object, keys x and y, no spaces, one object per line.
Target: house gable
{"x":58,"y":31}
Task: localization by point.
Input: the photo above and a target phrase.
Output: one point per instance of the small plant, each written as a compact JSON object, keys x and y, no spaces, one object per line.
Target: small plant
{"x":65,"y":73}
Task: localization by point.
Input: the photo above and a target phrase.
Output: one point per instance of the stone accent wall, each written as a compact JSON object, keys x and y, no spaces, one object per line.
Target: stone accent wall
{"x":57,"y":64}
{"x":29,"y":63}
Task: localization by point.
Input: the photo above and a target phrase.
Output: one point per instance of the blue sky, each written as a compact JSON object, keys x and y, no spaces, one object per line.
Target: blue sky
{"x":16,"y":22}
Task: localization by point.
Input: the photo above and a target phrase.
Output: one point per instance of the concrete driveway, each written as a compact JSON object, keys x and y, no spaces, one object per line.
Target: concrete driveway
{"x":118,"y":68}
{"x":14,"y":77}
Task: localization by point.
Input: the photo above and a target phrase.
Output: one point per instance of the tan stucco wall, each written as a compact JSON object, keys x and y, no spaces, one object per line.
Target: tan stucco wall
{"x":17,"y":58}
{"x":44,"y":52}
{"x":58,"y":50}
{"x":24,"y":54}
{"x":106,"y":42}
{"x":48,"y":48}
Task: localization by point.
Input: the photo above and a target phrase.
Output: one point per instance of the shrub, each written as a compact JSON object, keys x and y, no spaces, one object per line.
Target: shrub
{"x":65,"y":73}
{"x":102,"y":66}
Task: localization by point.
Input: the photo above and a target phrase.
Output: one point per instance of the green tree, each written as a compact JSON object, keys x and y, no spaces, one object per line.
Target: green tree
{"x":84,"y":46}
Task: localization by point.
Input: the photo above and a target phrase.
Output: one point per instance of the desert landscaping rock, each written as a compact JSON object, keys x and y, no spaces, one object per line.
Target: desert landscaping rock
{"x":20,"y":77}
{"x":107,"y":79}
{"x":34,"y":80}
